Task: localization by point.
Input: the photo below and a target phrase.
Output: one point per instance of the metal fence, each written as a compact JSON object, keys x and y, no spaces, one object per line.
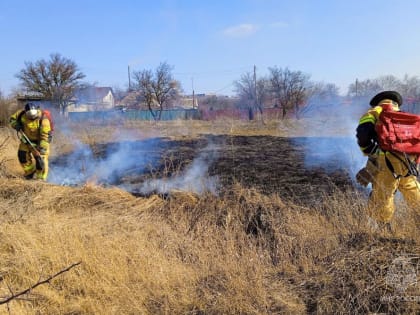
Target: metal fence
{"x":172,"y":114}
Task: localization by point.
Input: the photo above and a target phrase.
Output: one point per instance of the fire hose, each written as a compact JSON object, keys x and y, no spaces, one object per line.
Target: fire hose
{"x":40,"y":165}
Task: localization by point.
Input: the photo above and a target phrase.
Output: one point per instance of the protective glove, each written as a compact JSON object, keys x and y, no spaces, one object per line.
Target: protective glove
{"x":40,"y":164}
{"x":364,"y":177}
{"x":42,"y":150}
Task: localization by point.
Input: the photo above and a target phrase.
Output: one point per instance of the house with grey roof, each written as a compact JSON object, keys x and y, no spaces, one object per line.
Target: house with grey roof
{"x":92,"y":99}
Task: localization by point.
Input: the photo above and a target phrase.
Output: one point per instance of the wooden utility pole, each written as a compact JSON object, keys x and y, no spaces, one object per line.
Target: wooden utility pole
{"x":255,"y":86}
{"x":129,"y":79}
{"x":193,"y":98}
{"x":255,"y":82}
{"x":357,"y":87}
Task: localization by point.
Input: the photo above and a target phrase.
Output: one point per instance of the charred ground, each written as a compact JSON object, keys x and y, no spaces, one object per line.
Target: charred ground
{"x":291,"y":167}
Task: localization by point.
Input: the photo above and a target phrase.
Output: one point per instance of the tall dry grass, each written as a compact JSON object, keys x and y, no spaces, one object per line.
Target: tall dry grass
{"x":242,"y":252}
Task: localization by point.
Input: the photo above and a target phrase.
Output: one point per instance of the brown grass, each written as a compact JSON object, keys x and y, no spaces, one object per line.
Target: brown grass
{"x":242,"y":252}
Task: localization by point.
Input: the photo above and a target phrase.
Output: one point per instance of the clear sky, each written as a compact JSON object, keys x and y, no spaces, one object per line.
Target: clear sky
{"x":210,"y":43}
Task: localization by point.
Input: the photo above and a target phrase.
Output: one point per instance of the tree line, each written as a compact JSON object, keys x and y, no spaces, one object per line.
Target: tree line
{"x":293,"y":92}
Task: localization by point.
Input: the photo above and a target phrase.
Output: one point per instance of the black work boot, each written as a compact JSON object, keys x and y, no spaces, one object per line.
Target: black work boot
{"x":30,"y":176}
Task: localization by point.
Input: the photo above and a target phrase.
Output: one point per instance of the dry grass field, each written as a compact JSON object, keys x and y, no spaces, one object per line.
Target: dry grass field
{"x":222,"y":217}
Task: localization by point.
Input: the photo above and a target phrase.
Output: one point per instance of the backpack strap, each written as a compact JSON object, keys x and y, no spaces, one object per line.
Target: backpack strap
{"x":19,"y":117}
{"x":411,"y":166}
{"x":41,"y":119}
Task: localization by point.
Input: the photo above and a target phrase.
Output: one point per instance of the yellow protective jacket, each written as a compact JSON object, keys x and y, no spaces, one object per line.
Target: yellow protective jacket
{"x":365,"y":132}
{"x":386,"y":180}
{"x":37,"y":130}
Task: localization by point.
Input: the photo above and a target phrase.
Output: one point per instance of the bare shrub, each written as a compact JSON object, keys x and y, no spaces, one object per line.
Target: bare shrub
{"x":7,"y":107}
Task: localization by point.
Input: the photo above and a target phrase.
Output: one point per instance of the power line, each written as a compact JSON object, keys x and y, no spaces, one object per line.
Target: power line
{"x":215,"y":72}
{"x":224,"y":88}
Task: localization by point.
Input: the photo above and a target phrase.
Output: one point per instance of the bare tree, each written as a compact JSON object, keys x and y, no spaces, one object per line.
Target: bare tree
{"x":157,"y":88}
{"x":388,"y":82}
{"x":214,"y":102}
{"x":290,"y":88}
{"x":55,"y":79}
{"x":253,"y":92}
{"x":410,"y":89}
{"x":364,"y":89}
{"x":410,"y":86}
{"x":321,"y":98}
{"x":119,"y":93}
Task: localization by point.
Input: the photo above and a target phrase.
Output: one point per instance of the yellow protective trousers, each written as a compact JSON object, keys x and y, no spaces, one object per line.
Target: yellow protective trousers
{"x":385,"y":183}
{"x":28,"y":163}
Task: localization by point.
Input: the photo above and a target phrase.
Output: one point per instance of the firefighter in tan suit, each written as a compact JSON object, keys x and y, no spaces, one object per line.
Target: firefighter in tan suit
{"x":385,"y":179}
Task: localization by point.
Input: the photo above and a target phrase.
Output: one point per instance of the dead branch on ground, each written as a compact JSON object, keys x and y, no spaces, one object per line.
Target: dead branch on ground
{"x":15,"y":295}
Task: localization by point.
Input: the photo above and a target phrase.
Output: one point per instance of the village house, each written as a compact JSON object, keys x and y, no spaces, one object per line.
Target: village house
{"x":92,"y":99}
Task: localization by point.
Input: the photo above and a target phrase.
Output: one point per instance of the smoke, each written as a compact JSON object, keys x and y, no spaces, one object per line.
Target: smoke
{"x":195,"y":178}
{"x":332,"y":154}
{"x":72,"y":169}
{"x":101,"y":163}
{"x":126,"y":163}
{"x":336,"y":149}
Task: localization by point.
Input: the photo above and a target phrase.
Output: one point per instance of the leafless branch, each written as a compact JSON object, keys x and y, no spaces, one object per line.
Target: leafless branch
{"x":15,"y":295}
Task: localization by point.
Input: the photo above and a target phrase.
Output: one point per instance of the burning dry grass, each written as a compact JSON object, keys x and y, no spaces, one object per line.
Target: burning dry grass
{"x":242,"y":252}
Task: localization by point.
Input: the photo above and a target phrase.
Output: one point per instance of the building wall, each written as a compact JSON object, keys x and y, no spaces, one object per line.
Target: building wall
{"x":108,"y":101}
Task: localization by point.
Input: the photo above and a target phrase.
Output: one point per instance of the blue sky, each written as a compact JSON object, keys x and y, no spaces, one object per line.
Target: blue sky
{"x":211,"y":43}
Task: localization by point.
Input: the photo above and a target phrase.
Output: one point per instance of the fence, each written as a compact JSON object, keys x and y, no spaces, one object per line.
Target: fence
{"x":173,"y":114}
{"x":243,"y":114}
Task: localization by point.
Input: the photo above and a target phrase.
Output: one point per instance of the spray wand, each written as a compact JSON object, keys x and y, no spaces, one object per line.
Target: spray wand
{"x":40,"y":165}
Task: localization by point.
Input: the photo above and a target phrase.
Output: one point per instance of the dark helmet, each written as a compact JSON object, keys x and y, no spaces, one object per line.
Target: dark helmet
{"x":31,"y":111}
{"x":386,"y":95}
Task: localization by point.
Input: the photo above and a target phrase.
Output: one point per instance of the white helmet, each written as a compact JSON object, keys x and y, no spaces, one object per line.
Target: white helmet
{"x":31,"y":111}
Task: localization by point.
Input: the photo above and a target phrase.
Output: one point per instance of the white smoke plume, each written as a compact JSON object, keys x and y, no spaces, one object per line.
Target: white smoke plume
{"x":102,"y":163}
{"x":194,"y":178}
{"x":129,"y":158}
{"x":336,"y":149}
